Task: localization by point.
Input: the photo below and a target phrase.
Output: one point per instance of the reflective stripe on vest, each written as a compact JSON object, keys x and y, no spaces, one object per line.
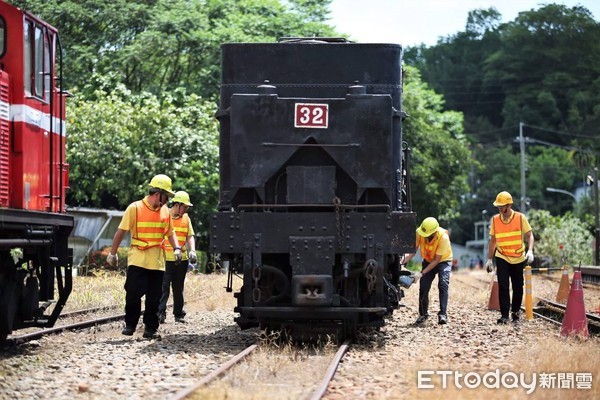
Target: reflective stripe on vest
{"x":150,"y":227}
{"x":428,"y":249}
{"x":180,"y":225}
{"x":509,"y":237}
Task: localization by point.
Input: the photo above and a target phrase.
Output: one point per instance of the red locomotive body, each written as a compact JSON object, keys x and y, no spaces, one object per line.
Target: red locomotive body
{"x":34,"y":228}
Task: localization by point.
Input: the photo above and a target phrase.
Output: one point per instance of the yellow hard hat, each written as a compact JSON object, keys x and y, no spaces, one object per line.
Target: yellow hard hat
{"x":428,"y":227}
{"x":503,"y":199}
{"x":162,"y":182}
{"x":182,"y":197}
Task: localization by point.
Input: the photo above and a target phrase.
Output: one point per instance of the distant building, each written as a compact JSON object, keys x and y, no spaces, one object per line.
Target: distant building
{"x":94,"y":229}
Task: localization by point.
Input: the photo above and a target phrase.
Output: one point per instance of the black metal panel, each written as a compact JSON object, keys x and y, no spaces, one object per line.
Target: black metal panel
{"x":358,"y":138}
{"x":310,"y":185}
{"x":395,"y":230}
{"x":297,"y":313}
{"x":311,"y":72}
{"x":27,"y":217}
{"x":311,"y":254}
{"x":311,"y":69}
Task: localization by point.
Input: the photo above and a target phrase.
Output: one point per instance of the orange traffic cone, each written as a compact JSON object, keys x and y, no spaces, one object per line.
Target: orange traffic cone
{"x":574,"y":321}
{"x":494,"y":302}
{"x":563,"y":289}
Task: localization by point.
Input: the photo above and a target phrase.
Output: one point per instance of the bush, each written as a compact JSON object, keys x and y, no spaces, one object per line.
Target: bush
{"x":564,"y":238}
{"x":96,"y":261}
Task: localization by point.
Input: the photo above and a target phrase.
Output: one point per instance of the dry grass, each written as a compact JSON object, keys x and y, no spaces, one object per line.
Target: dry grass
{"x":107,"y":289}
{"x":274,"y":371}
{"x":96,"y":291}
{"x":554,"y":356}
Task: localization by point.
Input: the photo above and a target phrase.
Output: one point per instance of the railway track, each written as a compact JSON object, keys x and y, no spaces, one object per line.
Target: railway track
{"x":555,"y":312}
{"x":18,"y":339}
{"x":76,"y":314}
{"x":319,"y":391}
{"x":548,"y":310}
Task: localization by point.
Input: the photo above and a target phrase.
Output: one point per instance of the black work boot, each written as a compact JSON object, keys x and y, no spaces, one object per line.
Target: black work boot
{"x":128,"y":331}
{"x":515,"y":316}
{"x":150,"y":334}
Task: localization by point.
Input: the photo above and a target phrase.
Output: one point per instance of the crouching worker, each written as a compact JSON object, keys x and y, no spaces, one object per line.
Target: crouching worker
{"x":436,"y":252}
{"x":175,"y":270}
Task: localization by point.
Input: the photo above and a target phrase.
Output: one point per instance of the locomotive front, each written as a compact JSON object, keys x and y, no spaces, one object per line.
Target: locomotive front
{"x":314,"y":200}
{"x":35,"y":258}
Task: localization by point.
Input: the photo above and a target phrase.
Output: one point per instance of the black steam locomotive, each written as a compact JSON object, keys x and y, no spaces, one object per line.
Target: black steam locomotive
{"x":314,"y":194}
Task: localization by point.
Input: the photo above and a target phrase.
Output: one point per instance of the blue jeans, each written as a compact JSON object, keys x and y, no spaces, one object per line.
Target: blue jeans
{"x":442,"y":270}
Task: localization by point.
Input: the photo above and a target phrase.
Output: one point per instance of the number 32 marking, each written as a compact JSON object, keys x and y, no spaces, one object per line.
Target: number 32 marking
{"x":311,"y":115}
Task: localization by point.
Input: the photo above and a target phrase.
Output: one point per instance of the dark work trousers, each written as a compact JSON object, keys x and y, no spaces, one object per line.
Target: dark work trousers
{"x":140,"y":282}
{"x":174,"y":276}
{"x":442,"y":270}
{"x":506,"y":270}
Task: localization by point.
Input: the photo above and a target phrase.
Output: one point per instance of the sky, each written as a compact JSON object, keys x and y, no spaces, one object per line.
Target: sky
{"x":411,"y":22}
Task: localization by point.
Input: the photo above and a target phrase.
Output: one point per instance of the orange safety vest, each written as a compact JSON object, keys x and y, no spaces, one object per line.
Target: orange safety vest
{"x":150,"y":226}
{"x":428,"y":249}
{"x":181,"y":228}
{"x":509,"y":236}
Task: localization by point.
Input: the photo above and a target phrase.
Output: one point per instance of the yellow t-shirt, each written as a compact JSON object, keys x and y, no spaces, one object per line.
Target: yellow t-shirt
{"x":444,"y":248}
{"x":150,"y":258}
{"x":185,"y":219}
{"x":525,"y":227}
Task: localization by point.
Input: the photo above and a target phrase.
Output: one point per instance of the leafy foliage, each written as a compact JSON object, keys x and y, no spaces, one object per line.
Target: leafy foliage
{"x":540,"y":69}
{"x":439,"y":151}
{"x":564,"y":239}
{"x":119,"y":140}
{"x":158,"y":46}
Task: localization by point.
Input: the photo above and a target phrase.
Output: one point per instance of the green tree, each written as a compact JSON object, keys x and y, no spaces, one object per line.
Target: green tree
{"x":541,"y":69}
{"x":439,"y":151}
{"x":161,"y":45}
{"x":563,"y":239}
{"x":119,"y":140}
{"x":455,"y":68}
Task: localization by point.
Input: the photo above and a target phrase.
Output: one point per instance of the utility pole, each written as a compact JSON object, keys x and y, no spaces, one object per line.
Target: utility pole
{"x":597,"y":232}
{"x":522,"y":146}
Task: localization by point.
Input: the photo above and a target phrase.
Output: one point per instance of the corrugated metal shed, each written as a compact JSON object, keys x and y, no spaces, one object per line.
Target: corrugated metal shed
{"x":94,"y":229}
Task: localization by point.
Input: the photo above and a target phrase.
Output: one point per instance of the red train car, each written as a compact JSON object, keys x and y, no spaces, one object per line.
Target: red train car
{"x":35,"y":261}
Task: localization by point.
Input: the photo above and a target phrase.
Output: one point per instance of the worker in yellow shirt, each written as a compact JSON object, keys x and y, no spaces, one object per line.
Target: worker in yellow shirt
{"x":149,"y":222}
{"x":507,"y":246}
{"x":436,"y":252}
{"x":175,"y":272}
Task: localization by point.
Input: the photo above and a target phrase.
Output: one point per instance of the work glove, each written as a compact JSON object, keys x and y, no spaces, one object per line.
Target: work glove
{"x":489,"y":265}
{"x":177,"y":255}
{"x":192,"y":257}
{"x":112,"y":259}
{"x":529,"y":257}
{"x":417,"y":276}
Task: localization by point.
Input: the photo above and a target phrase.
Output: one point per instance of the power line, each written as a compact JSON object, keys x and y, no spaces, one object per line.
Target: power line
{"x":560,"y":133}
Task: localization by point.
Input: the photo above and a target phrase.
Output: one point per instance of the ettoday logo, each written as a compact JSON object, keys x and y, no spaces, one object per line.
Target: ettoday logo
{"x":508,"y":380}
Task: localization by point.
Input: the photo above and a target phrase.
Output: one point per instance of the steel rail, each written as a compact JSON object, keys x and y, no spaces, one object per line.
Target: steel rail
{"x":320,"y":391}
{"x":57,"y":329}
{"x":182,"y":394}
